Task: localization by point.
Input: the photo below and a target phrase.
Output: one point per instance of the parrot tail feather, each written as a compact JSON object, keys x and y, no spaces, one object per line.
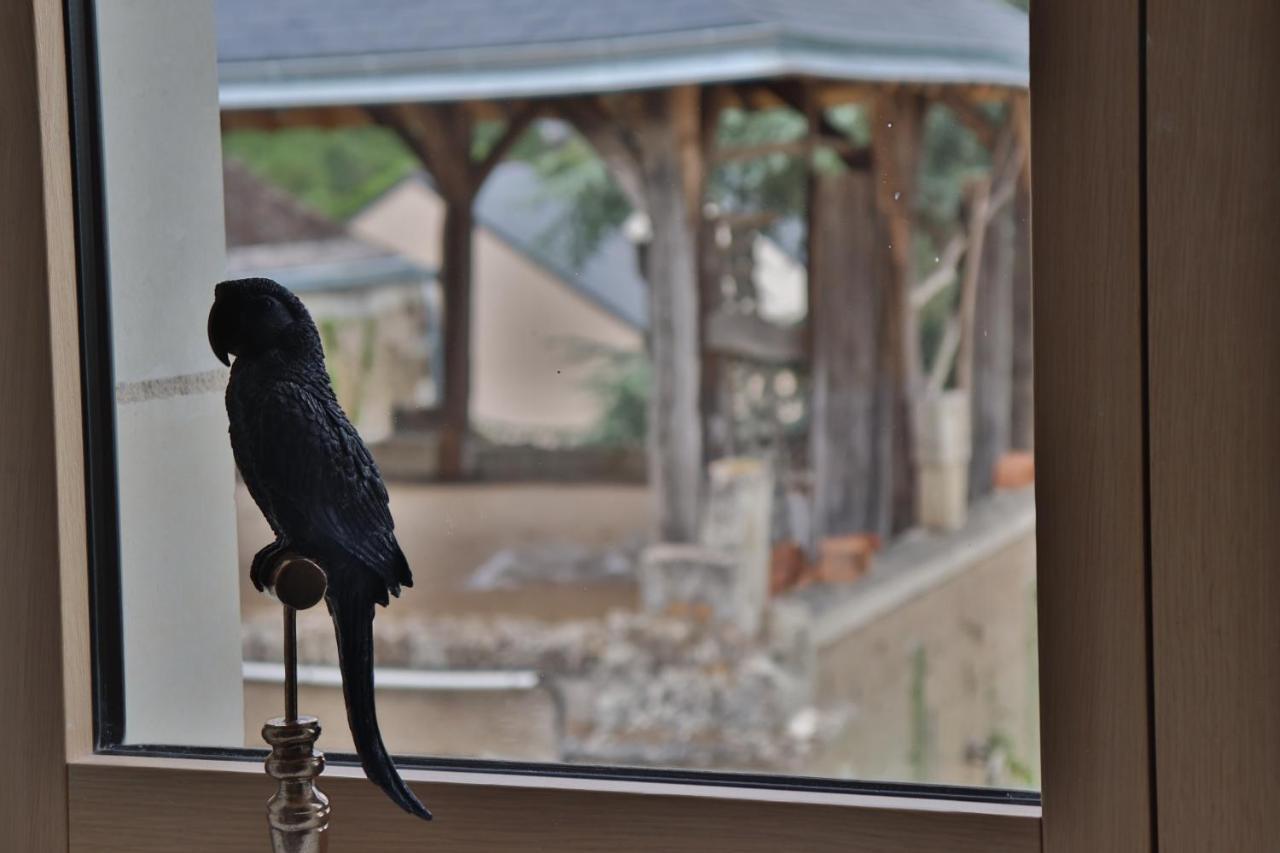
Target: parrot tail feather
{"x":352,"y":612}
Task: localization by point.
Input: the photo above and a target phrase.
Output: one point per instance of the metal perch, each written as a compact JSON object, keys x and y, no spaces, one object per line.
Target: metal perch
{"x":298,"y":813}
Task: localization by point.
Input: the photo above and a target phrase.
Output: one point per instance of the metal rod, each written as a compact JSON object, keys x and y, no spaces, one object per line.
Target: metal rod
{"x":290,"y":664}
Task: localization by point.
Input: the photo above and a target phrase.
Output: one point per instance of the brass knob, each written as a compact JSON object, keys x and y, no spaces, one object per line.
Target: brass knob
{"x":297,"y":581}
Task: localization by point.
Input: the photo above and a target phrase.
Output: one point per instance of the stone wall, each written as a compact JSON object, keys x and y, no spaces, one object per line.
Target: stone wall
{"x":515,"y":725}
{"x":922,"y":671}
{"x":940,"y":683}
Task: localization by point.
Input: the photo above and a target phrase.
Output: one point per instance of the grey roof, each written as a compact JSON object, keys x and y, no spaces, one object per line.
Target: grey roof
{"x":515,"y":205}
{"x":341,"y":264}
{"x":270,"y":233}
{"x":313,"y":52}
{"x":256,"y":212}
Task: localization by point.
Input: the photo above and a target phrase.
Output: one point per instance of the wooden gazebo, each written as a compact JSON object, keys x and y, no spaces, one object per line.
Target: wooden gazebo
{"x":645,"y":84}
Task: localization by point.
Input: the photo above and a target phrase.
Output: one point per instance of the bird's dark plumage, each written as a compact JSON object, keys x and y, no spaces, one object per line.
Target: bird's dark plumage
{"x":315,"y":482}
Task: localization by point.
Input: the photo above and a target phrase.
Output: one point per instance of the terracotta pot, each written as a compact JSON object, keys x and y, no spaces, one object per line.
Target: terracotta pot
{"x":844,"y":559}
{"x":1015,"y":470}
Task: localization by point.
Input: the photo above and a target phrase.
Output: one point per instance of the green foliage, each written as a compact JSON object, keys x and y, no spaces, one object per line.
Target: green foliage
{"x":487,"y":134}
{"x":921,"y":731}
{"x":775,"y":182}
{"x":570,"y":170}
{"x":854,"y":120}
{"x":334,"y":172}
{"x":620,"y":380}
{"x":1000,"y":743}
{"x":950,"y":156}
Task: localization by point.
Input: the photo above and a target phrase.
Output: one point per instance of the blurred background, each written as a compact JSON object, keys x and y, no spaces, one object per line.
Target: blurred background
{"x":693,"y":339}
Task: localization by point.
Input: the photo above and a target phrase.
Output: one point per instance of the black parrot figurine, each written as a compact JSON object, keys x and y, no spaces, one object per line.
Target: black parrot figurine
{"x":316,"y":483}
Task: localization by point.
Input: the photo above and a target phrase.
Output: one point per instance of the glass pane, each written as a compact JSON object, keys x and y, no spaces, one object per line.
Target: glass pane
{"x":692,"y":341}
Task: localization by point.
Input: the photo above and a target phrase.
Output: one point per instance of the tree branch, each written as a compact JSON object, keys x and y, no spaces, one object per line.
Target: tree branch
{"x":943,"y":275}
{"x":944,"y":358}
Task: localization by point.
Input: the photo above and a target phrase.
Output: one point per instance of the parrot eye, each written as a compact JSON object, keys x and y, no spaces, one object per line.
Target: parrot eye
{"x":271,"y":313}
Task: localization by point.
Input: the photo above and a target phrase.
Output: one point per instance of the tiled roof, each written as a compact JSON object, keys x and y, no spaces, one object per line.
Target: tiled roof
{"x":272,"y":234}
{"x":258,"y":213}
{"x":287,"y":52}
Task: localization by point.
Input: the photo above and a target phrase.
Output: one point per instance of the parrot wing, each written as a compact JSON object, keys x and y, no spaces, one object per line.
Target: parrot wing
{"x":320,"y":480}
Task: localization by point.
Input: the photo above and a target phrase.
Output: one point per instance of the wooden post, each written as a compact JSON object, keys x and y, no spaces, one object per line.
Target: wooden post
{"x":1022,"y":416}
{"x":896,"y":127}
{"x":441,"y":136}
{"x":455,"y":282}
{"x":652,"y":144}
{"x":716,"y":419}
{"x":852,"y":419}
{"x":992,"y":354}
{"x":671,"y":158}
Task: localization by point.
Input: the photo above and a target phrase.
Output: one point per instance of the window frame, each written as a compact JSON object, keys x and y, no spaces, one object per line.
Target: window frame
{"x":1091,"y":496}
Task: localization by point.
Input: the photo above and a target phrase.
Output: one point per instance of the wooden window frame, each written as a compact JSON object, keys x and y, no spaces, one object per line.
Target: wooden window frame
{"x":1093,"y":520}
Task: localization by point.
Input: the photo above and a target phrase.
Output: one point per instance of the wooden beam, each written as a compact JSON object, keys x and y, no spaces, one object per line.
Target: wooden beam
{"x":967,"y":112}
{"x":896,"y":129}
{"x":41,"y":429}
{"x":1022,"y":414}
{"x":1021,"y":118}
{"x":833,"y":94}
{"x":232,"y":120}
{"x":1007,"y":161}
{"x":652,"y":143}
{"x":751,"y":338}
{"x":456,"y":284}
{"x":116,"y":813}
{"x":613,"y":143}
{"x":517,"y":122}
{"x":278,"y":119}
{"x":665,"y":126}
{"x":800,"y":96}
{"x":441,"y":135}
{"x":852,"y":419}
{"x":1212,"y":309}
{"x":1088,"y":61}
{"x":748,"y":218}
{"x":846,"y":150}
{"x":716,"y":414}
{"x":991,"y":351}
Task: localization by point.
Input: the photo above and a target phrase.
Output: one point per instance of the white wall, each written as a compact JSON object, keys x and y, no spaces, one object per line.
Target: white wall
{"x":525,"y":378}
{"x":163,"y":179}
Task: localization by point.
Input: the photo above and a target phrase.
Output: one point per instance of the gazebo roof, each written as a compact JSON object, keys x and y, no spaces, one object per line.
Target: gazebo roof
{"x":295,"y":53}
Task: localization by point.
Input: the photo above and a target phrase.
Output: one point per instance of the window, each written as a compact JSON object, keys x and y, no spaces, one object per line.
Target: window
{"x":714,"y":455}
{"x":87,"y":774}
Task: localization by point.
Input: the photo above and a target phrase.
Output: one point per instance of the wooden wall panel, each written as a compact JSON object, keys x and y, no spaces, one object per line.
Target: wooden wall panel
{"x":1214,"y":295}
{"x":1086,"y":136}
{"x":161,"y":806}
{"x":34,"y":247}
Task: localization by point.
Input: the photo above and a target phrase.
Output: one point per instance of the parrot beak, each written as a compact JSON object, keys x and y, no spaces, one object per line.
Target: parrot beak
{"x":218,"y":332}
